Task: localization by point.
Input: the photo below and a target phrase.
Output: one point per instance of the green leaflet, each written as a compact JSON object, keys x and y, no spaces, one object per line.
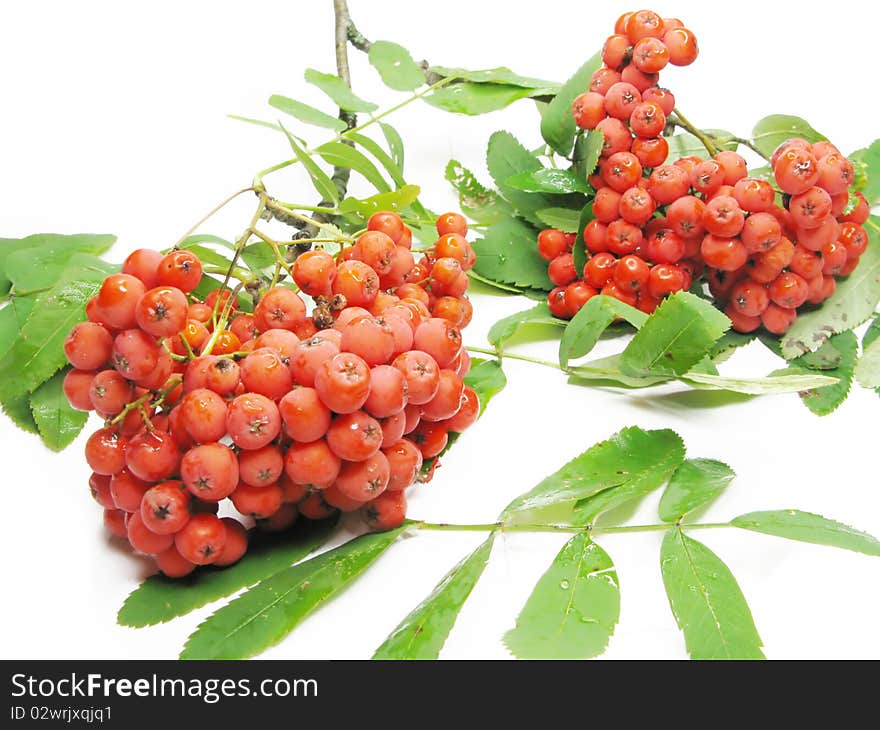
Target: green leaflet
{"x":771,"y":385}
{"x":395,"y":144}
{"x":507,"y":253}
{"x":573,"y":609}
{"x":59,"y":424}
{"x":197,"y":238}
{"x":629,"y":456}
{"x":867,"y":370}
{"x":305,"y":113}
{"x":266,"y":613}
{"x":675,"y":338}
{"x":824,"y":400}
{"x":706,"y":601}
{"x":396,"y":66}
{"x":772,"y":131}
{"x":684,"y":144}
{"x":557,"y":124}
{"x":500,"y":75}
{"x":579,"y":251}
{"x":867,"y":160}
{"x":506,"y":157}
{"x":9,"y":246}
{"x":694,"y":484}
{"x":38,"y":261}
{"x":565,"y":219}
{"x":343,"y":155}
{"x":396,"y":200}
{"x":638,"y":485}
{"x":338,"y":91}
{"x":258,"y":256}
{"x":12,"y":319}
{"x":730,"y":341}
{"x":320,"y":179}
{"x":587,"y":149}
{"x":18,"y":408}
{"x":422,"y":634}
{"x":487,"y":379}
{"x":505,"y":328}
{"x":606,"y":371}
{"x":586,"y":327}
{"x":474,"y":99}
{"x":807,"y":527}
{"x":477,"y":201}
{"x":38,"y":352}
{"x":159,"y":599}
{"x":388,"y":162}
{"x":549,"y":180}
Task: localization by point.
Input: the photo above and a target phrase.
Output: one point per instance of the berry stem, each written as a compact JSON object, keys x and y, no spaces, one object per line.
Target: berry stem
{"x":682,"y":121}
{"x":611,"y":529}
{"x":745,"y":143}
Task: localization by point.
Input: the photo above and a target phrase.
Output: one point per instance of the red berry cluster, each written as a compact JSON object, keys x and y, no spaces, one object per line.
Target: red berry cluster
{"x":657,"y":226}
{"x":635,"y":257}
{"x":771,"y":259}
{"x":284,"y":413}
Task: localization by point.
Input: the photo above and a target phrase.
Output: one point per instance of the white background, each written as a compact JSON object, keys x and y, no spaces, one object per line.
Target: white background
{"x":114,"y":121}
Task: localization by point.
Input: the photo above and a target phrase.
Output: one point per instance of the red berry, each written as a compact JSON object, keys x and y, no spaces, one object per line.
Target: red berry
{"x":631,"y":273}
{"x":551,"y":243}
{"x":354,"y":436}
{"x":727,"y":254}
{"x":386,"y":511}
{"x":279,"y":308}
{"x":164,"y":508}
{"x":389,"y":223}
{"x":252,"y":421}
{"x":236,"y":542}
{"x":109,"y":392}
{"x":181,"y":269}
{"x":665,"y":279}
{"x":314,"y":272}
{"x":127,"y":490}
{"x":305,"y":416}
{"x":257,"y":502}
{"x":343,"y":382}
{"x":452,"y":223}
{"x":682,"y":45}
{"x":312,"y":463}
{"x":357,"y":282}
{"x":143,"y":263}
{"x":117,"y":300}
{"x":202,"y":539}
{"x":723,"y":216}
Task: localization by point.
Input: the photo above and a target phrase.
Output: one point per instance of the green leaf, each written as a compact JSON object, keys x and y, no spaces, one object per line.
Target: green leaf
{"x":274,"y":126}
{"x":320,"y":179}
{"x":474,"y":99}
{"x":806,"y":527}
{"x":266,"y":613}
{"x":396,"y":200}
{"x":338,"y":91}
{"x":573,"y":609}
{"x":508,"y":253}
{"x":18,"y":408}
{"x":500,"y":75}
{"x":631,"y":456}
{"x":587,"y":149}
{"x":9,"y":246}
{"x":772,"y":131}
{"x":867,"y":161}
{"x":565,"y":219}
{"x":549,"y":180}
{"x":557,"y":123}
{"x":684,"y":144}
{"x":505,"y":328}
{"x":395,"y":143}
{"x":824,"y":400}
{"x":422,"y":634}
{"x":305,"y":113}
{"x":852,"y":303}
{"x":59,"y":424}
{"x":39,"y":351}
{"x":695,"y":483}
{"x":506,"y":157}
{"x":675,"y":338}
{"x":771,"y":385}
{"x":396,"y":66}
{"x":343,"y":155}
{"x":41,"y":259}
{"x":159,"y":599}
{"x":586,"y":327}
{"x":487,"y":379}
{"x":706,"y":601}
{"x":476,"y":201}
